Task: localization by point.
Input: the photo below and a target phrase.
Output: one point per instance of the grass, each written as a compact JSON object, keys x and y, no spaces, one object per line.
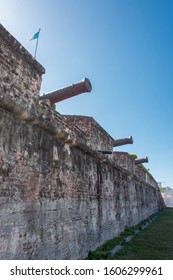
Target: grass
{"x":155,"y":242}
{"x":102,"y":252}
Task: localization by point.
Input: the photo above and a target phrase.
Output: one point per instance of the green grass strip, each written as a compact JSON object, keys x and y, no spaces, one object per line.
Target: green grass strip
{"x":155,"y":242}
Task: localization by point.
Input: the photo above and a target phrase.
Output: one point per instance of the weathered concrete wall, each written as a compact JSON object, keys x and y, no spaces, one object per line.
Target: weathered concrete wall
{"x":58,"y":202}
{"x":59,"y":198}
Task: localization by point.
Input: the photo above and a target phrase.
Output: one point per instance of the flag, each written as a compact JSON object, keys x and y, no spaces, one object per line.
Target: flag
{"x":35,"y":36}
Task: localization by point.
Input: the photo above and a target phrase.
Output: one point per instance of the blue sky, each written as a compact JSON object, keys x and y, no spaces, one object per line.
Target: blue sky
{"x":125,"y":48}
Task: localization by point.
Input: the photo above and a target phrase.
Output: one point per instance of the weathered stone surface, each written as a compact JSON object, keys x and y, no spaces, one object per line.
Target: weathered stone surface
{"x":57,"y":201}
{"x":59,"y":197}
{"x":20,"y":73}
{"x":123,"y":159}
{"x":95,"y":135}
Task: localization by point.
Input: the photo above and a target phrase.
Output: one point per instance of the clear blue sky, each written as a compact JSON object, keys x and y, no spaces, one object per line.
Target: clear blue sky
{"x":125,"y":48}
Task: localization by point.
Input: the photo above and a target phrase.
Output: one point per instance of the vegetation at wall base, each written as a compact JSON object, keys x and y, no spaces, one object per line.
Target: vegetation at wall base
{"x":155,"y":242}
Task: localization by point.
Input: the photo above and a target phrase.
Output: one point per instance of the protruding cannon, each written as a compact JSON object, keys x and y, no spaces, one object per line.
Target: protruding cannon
{"x":123,"y":141}
{"x":141,"y":160}
{"x":105,"y":152}
{"x":67,"y":92}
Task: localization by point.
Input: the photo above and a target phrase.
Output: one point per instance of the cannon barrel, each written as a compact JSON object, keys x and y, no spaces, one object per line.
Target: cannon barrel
{"x":105,"y":152}
{"x":141,"y":160}
{"x":123,"y":141}
{"x":67,"y":92}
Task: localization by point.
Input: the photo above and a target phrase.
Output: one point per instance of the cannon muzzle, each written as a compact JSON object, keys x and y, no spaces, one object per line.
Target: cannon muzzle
{"x":141,"y":160}
{"x":123,"y":141}
{"x":67,"y":92}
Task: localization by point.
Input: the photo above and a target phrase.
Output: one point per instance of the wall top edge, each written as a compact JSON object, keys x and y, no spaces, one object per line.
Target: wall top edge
{"x":18,"y":48}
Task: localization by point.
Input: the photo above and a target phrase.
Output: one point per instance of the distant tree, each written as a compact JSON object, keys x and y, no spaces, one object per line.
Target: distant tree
{"x":162,"y":190}
{"x":168,"y":189}
{"x":134,"y":156}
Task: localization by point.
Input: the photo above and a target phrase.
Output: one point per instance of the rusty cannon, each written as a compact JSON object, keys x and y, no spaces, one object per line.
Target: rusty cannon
{"x":141,"y":160}
{"x":67,"y":92}
{"x":123,"y":141}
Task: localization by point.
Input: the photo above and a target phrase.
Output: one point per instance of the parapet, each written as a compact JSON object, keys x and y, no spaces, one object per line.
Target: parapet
{"x":124,"y":160}
{"x":96,"y":136}
{"x":20,"y":72}
{"x":128,"y":163}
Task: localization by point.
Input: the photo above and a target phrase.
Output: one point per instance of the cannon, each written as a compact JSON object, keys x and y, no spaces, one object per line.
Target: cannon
{"x":67,"y":92}
{"x":141,"y":160}
{"x":105,"y":152}
{"x":123,"y":141}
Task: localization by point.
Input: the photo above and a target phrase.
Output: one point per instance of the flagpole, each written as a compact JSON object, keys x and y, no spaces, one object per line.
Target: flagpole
{"x":36,"y":45}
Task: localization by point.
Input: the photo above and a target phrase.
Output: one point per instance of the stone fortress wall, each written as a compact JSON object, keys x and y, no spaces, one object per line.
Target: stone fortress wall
{"x":59,"y":196}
